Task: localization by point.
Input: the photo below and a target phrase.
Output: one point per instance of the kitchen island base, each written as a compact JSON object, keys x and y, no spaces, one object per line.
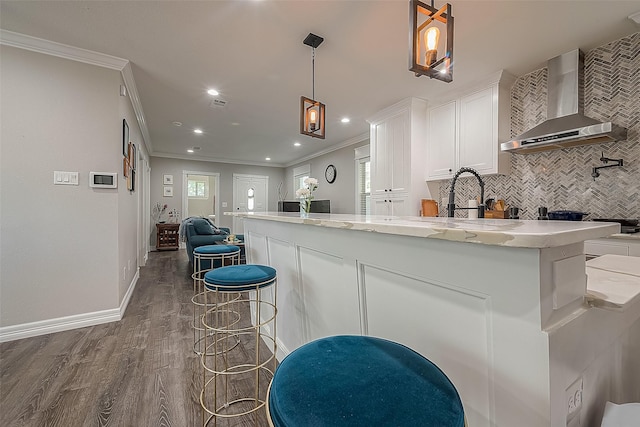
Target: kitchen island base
{"x":508,"y":325}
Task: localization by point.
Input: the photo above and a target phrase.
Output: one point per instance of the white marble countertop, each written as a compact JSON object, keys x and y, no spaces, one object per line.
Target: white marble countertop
{"x":500,"y":232}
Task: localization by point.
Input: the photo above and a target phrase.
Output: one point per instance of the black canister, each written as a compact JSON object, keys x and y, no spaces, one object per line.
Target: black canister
{"x":543,"y":213}
{"x":513,"y":213}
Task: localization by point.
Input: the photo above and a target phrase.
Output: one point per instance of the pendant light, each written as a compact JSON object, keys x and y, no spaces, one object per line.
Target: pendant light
{"x":427,"y":23}
{"x":312,"y":112}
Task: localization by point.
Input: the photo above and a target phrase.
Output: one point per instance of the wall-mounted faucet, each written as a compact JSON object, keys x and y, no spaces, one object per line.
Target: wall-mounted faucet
{"x":451,"y":207}
{"x":605,"y":160}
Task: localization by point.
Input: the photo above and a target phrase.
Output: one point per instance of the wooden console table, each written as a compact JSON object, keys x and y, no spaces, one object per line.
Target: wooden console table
{"x":168,"y":236}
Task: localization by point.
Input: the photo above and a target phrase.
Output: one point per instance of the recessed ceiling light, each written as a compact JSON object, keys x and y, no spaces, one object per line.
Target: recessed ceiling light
{"x":198,"y":131}
{"x":213,"y":92}
{"x":297,"y":144}
{"x":177,"y":123}
{"x":190,"y":150}
{"x":267,"y":158}
{"x":235,"y":124}
{"x":345,"y":120}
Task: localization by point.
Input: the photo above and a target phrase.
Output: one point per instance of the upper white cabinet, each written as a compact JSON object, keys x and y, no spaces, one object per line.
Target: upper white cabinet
{"x":467,"y":132}
{"x":397,"y":158}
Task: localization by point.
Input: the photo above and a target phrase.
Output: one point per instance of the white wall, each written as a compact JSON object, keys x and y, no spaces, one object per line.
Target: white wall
{"x":342,"y":191}
{"x":175,"y":167}
{"x":61,"y":247}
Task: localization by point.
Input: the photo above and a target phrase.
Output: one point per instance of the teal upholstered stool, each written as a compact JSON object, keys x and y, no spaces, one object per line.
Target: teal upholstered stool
{"x":206,"y":258}
{"x":361,"y":381}
{"x":254,"y":360}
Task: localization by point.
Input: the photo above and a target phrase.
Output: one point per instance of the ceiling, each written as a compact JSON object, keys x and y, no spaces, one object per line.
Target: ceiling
{"x":252,"y":53}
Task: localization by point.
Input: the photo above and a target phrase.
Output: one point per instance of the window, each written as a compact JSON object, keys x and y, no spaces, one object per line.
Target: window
{"x":364,"y":186}
{"x":251,"y":199}
{"x":299,"y":175}
{"x":197,"y":189}
{"x":363,"y":180}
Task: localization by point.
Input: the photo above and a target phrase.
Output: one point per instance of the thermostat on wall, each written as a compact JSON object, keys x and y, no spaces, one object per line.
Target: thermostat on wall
{"x":103,"y":179}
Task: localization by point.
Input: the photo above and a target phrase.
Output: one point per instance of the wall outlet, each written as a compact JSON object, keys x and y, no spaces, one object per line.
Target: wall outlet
{"x":574,"y":398}
{"x":224,"y":204}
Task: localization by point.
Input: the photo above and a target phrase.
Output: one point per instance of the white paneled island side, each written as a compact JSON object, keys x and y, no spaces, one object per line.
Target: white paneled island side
{"x":498,"y":305}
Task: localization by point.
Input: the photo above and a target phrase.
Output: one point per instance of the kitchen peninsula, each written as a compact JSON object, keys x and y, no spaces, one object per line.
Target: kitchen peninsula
{"x":497,"y":304}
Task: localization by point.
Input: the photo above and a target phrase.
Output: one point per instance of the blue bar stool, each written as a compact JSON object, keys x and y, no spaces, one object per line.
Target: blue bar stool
{"x":254,"y":361}
{"x":350,"y":381}
{"x":206,"y":258}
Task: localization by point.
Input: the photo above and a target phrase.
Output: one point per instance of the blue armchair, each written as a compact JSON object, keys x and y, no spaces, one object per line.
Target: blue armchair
{"x":201,"y":232}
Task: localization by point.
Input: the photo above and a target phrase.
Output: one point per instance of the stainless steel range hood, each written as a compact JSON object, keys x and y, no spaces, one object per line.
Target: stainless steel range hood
{"x":566,"y":125}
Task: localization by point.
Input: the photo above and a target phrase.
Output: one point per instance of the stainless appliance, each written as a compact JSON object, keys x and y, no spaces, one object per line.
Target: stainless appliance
{"x":566,"y":124}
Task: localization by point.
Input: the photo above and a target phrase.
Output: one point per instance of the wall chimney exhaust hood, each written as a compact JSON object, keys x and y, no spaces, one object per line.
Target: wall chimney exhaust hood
{"x":566,"y":125}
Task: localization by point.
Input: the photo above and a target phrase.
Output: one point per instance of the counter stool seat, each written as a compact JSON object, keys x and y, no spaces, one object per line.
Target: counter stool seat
{"x":215,"y":249}
{"x":237,"y":278}
{"x":361,"y":381}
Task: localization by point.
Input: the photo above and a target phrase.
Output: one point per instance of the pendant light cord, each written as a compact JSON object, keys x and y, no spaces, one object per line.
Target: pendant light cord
{"x":313,"y":73}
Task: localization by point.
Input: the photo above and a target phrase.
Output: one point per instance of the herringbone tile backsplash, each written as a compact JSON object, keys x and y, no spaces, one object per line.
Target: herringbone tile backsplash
{"x":561,"y":179}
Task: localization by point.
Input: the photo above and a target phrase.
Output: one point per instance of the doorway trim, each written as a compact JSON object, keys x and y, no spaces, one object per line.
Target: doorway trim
{"x":185,"y":201}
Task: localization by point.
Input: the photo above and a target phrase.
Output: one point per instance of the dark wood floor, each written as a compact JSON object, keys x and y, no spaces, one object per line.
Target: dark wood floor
{"x":140,"y":371}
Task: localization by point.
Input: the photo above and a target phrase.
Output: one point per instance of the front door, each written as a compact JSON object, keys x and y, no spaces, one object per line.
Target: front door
{"x":249,"y":195}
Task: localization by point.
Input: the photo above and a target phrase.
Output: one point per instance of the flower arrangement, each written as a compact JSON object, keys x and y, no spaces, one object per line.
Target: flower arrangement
{"x":158,"y":210}
{"x":305,"y":194}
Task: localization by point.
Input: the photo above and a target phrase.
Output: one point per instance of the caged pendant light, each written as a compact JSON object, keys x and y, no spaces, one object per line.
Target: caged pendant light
{"x":427,"y":23}
{"x":312,"y":112}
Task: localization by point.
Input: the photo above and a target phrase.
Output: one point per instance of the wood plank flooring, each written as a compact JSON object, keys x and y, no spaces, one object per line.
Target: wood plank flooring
{"x":140,"y":371}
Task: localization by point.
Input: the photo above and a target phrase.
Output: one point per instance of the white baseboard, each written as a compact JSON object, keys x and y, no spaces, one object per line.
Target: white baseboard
{"x":127,"y":295}
{"x":43,"y":327}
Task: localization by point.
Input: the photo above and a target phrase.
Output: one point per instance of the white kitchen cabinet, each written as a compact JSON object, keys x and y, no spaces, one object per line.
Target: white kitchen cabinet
{"x":613,"y":246}
{"x":467,"y":132}
{"x":395,"y":205}
{"x":397,"y":158}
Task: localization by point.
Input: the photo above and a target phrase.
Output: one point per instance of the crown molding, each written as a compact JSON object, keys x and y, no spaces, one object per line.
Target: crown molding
{"x":35,"y":44}
{"x":201,"y":158}
{"x":130,"y":84}
{"x":48,"y":47}
{"x":348,"y":142}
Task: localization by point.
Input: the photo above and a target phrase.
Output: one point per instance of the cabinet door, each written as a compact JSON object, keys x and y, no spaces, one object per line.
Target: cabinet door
{"x":477,"y":144}
{"x":399,"y":151}
{"x":391,"y":155}
{"x":380,"y":182}
{"x":441,"y":142}
{"x":398,"y":206}
{"x":380,"y":206}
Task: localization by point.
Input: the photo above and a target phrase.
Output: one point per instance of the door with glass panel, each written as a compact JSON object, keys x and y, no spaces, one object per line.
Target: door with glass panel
{"x":249,"y":195}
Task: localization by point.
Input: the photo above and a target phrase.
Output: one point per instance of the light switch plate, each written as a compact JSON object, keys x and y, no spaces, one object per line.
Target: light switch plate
{"x":65,"y":178}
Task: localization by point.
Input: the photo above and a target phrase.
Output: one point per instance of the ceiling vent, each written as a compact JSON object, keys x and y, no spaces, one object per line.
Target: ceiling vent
{"x":218,"y":103}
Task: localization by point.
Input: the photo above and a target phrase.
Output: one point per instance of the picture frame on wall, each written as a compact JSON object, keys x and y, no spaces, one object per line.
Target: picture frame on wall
{"x":167,"y":179}
{"x":132,"y":180}
{"x":132,"y":156}
{"x":125,"y":167}
{"x":168,"y":191}
{"x":125,"y":138}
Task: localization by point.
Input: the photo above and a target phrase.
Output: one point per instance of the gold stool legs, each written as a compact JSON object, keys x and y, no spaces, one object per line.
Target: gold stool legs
{"x":230,"y":370}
